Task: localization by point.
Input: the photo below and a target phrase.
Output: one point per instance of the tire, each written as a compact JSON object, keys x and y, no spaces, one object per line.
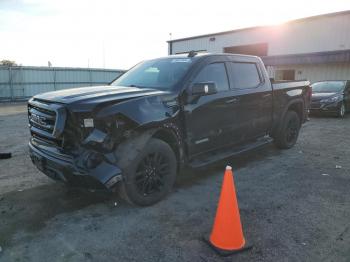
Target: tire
{"x":151,"y":176}
{"x":341,"y":112}
{"x":289,"y":132}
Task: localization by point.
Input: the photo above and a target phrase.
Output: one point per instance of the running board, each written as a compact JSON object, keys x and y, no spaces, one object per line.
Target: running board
{"x":212,"y":157}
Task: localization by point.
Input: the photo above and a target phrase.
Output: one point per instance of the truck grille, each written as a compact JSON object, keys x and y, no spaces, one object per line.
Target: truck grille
{"x":43,"y":117}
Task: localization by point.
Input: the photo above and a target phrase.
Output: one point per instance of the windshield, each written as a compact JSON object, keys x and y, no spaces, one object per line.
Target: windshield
{"x":159,"y":73}
{"x":328,"y":87}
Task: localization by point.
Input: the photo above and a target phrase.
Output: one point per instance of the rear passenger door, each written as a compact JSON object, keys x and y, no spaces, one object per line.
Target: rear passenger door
{"x":253,"y":99}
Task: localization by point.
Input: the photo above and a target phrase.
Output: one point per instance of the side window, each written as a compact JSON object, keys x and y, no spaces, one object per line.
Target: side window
{"x":245,"y":75}
{"x":216,"y":73}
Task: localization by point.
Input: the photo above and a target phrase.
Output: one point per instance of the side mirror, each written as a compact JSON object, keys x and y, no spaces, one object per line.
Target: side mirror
{"x":203,"y":89}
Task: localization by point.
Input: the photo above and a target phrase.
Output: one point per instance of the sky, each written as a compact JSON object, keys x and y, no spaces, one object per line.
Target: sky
{"x":118,"y":34}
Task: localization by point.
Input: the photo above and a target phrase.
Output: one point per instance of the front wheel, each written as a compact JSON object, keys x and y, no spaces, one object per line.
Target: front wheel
{"x":289,"y":131}
{"x":341,"y":112}
{"x":150,"y":177}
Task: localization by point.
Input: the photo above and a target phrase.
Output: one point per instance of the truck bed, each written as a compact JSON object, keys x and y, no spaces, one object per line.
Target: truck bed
{"x":281,"y":84}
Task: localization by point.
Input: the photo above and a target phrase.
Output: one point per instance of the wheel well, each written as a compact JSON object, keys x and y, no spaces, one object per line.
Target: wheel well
{"x":171,"y":139}
{"x":298,"y":108}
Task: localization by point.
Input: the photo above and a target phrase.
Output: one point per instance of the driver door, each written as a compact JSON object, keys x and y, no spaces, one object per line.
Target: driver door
{"x":208,"y":118}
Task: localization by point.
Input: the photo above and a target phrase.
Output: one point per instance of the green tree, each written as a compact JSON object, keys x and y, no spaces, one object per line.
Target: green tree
{"x":6,"y":62}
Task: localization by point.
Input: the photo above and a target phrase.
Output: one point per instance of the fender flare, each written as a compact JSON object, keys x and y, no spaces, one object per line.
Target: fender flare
{"x":278,"y":126}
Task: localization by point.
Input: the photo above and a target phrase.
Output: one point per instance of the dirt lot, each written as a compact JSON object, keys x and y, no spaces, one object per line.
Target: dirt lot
{"x":295,"y":206}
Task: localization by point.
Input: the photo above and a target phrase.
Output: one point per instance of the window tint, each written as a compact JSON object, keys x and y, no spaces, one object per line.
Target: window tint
{"x":214,"y":73}
{"x":245,"y":75}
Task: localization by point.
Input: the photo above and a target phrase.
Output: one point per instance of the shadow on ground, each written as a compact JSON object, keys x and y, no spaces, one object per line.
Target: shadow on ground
{"x":30,"y":209}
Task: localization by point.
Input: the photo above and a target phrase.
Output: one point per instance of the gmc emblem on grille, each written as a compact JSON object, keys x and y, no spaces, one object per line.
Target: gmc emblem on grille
{"x":38,"y":119}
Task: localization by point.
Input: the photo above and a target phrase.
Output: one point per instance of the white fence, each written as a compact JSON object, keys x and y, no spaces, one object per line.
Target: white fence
{"x":22,"y":82}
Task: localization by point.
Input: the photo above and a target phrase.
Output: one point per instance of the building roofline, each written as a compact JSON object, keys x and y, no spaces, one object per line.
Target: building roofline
{"x":336,"y":56}
{"x":260,"y":27}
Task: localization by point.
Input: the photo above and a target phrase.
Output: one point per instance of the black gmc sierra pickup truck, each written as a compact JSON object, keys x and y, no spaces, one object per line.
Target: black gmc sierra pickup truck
{"x":136,"y":134}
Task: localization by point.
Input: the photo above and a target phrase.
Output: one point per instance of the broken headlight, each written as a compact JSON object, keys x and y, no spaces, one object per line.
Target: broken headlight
{"x":104,"y":133}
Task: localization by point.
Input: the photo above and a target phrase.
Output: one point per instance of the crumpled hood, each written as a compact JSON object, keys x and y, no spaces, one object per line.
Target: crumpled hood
{"x":320,"y":96}
{"x":96,"y":94}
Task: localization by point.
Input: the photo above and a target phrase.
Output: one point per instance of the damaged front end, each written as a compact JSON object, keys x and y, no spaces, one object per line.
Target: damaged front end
{"x":74,"y":147}
{"x":88,"y":143}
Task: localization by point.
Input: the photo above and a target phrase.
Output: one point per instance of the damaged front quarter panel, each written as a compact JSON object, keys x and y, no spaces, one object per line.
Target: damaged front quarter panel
{"x":145,"y":110}
{"x":122,"y":130}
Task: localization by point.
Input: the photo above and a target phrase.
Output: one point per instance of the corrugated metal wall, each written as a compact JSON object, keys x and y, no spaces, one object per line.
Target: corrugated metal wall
{"x":319,"y":72}
{"x":21,"y":82}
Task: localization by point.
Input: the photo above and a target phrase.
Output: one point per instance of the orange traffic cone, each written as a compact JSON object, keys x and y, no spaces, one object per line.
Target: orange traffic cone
{"x":227,"y":236}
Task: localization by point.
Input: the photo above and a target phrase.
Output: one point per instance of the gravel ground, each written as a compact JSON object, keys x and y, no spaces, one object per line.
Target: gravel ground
{"x":294,"y":205}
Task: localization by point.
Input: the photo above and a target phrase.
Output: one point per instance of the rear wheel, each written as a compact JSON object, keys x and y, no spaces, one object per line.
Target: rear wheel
{"x":289,"y":132}
{"x":150,"y":177}
{"x":341,"y":112}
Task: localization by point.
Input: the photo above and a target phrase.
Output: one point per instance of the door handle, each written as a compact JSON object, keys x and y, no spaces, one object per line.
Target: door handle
{"x":232,"y":101}
{"x":266,"y":95}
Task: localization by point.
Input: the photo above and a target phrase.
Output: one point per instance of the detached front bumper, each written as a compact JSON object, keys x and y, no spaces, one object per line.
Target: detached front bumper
{"x":63,"y":168}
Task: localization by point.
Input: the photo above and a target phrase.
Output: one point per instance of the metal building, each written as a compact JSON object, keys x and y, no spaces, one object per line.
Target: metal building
{"x":314,"y":48}
{"x":22,"y":82}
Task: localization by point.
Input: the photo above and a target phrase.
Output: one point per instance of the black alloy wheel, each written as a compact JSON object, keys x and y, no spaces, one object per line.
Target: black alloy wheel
{"x":292,"y":131}
{"x":151,"y":175}
{"x":289,"y":131}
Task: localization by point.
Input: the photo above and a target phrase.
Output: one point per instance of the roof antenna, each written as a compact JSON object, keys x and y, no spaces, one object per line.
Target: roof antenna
{"x":192,"y":53}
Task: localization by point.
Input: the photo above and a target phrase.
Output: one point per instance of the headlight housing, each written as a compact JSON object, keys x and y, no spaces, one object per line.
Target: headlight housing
{"x":104,"y":132}
{"x":111,"y":125}
{"x":98,"y":139}
{"x":332,"y":99}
